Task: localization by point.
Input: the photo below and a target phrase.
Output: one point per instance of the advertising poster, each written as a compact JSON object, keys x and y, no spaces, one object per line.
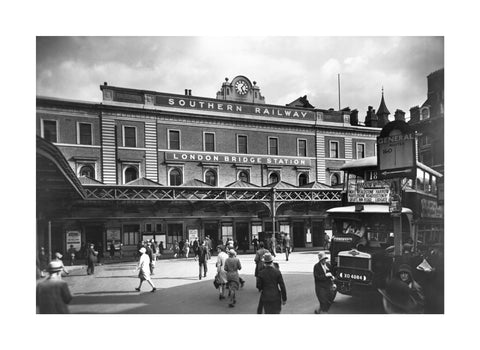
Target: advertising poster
{"x":74,"y":238}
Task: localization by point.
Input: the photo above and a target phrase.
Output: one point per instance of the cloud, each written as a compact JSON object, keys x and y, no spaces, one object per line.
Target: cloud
{"x":284,"y":68}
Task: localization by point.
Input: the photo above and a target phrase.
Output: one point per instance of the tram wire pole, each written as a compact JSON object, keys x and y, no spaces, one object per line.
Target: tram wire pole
{"x":397,"y":221}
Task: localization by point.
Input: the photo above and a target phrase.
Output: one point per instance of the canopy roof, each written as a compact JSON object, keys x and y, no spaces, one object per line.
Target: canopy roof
{"x":367,"y":209}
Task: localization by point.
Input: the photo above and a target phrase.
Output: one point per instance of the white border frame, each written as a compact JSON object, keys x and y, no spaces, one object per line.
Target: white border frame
{"x":330,"y":142}
{"x":177,"y":166}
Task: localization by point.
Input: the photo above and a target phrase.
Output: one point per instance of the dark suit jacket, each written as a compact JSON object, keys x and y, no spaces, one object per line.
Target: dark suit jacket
{"x":268,"y":281}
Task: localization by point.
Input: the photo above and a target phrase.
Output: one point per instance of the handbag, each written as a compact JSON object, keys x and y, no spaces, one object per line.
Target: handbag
{"x":215,"y":282}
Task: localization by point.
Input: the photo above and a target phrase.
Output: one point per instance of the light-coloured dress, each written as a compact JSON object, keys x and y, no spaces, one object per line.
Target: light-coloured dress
{"x":144,"y":267}
{"x":221,"y":273}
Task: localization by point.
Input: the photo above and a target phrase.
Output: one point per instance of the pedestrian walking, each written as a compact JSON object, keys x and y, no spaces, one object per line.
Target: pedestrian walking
{"x":272,"y":287}
{"x":255,"y":244}
{"x":186,"y":248}
{"x":120,"y":250}
{"x":286,"y":245}
{"x":99,"y":253}
{"x":232,"y":266}
{"x":143,"y":269}
{"x":325,"y":288}
{"x":175,"y":249}
{"x":180,"y":247}
{"x":273,"y":245}
{"x":53,"y":294}
{"x":208,"y":244}
{"x":202,"y":259}
{"x":112,"y":250}
{"x":43,"y":261}
{"x":149,"y":252}
{"x":195,"y":247}
{"x":221,"y":276}
{"x":91,"y":259}
{"x":71,"y":254}
{"x":160,"y":249}
{"x":259,"y":258}
{"x":58,"y":257}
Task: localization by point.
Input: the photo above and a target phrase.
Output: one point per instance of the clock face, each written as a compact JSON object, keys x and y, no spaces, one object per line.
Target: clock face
{"x":242,"y":87}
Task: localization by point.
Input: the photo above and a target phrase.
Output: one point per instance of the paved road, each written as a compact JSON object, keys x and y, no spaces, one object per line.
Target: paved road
{"x":179,"y":291}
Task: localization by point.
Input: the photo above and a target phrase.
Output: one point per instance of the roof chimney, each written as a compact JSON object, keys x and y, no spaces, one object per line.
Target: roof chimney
{"x":399,"y":115}
{"x":186,"y":92}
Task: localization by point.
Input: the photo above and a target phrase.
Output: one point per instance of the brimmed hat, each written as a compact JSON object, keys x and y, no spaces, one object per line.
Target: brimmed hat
{"x":397,"y":294}
{"x":322,"y":255}
{"x":232,"y":252}
{"x":267,"y":258}
{"x":405,"y":268}
{"x":55,"y":266}
{"x":142,"y":250}
{"x":58,"y":255}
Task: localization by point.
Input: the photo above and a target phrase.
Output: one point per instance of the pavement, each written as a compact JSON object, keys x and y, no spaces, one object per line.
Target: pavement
{"x":111,"y":290}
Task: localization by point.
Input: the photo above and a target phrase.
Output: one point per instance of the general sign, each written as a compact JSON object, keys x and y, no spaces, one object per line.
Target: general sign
{"x":235,"y":158}
{"x":396,"y":150}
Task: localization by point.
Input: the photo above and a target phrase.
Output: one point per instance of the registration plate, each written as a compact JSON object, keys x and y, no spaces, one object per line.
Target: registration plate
{"x":353,"y":276}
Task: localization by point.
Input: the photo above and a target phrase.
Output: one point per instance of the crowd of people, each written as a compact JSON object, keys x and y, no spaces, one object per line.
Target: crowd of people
{"x":402,"y":293}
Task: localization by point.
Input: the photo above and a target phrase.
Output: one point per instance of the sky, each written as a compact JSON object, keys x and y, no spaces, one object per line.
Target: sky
{"x":284,"y":67}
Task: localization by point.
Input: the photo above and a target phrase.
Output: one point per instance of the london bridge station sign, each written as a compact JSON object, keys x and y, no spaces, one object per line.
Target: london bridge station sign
{"x":235,"y":159}
{"x":227,"y":106}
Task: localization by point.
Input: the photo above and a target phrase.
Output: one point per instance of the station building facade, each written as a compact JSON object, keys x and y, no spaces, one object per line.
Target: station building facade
{"x":156,"y":165}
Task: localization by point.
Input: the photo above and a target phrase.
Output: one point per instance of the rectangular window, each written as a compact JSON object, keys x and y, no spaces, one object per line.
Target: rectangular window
{"x":50,"y":130}
{"x":227,"y":232}
{"x":360,"y":150}
{"x":285,"y":228}
{"x":129,"y":136}
{"x":148,"y":227}
{"x":174,"y":139}
{"x":242,"y":144}
{"x":302,"y":148}
{"x":334,"y":149}
{"x":256,"y":229}
{"x":131,"y":234}
{"x":158,"y":228}
{"x":209,"y":139}
{"x":273,"y":146}
{"x":85,"y":134}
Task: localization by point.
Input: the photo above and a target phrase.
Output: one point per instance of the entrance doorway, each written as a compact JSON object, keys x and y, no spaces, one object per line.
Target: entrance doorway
{"x":241,"y":235}
{"x":94,"y":234}
{"x":317,"y":233}
{"x":211,"y":230}
{"x":298,"y":229}
{"x":174,"y":233}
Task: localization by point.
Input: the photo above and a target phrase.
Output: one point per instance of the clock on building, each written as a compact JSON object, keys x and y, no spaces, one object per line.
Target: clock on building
{"x":241,"y":86}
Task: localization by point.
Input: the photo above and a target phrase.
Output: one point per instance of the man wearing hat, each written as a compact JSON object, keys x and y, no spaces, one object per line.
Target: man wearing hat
{"x":270,"y":284}
{"x":324,"y":286}
{"x":53,"y":294}
{"x":143,"y":269}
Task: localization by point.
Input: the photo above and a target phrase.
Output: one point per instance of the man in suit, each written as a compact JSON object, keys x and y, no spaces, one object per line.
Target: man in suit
{"x":259,"y":258}
{"x":270,"y":283}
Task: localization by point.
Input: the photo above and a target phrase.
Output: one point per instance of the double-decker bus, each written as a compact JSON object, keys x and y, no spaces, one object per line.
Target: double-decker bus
{"x":362,"y":244}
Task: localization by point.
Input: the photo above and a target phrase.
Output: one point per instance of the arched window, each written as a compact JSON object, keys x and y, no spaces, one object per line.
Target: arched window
{"x":302,"y":179}
{"x":334,"y":180}
{"x":273,"y":178}
{"x":131,"y":173}
{"x":211,"y":178}
{"x":175,"y":177}
{"x":88,"y":171}
{"x":243,"y":176}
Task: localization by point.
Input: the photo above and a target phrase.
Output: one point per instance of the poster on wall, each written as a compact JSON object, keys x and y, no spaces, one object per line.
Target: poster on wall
{"x":74,"y":238}
{"x":113,"y":234}
{"x":192,"y":234}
